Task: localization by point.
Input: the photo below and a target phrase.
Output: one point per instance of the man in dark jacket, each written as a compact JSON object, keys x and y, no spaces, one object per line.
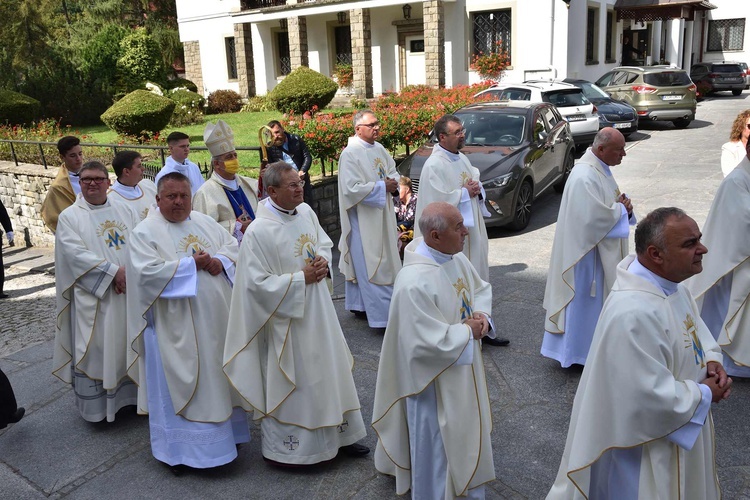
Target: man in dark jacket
{"x":8,"y":227}
{"x":291,"y":149}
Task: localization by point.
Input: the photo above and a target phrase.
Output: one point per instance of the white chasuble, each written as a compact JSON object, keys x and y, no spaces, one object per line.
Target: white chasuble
{"x":211,"y":199}
{"x":140,"y":198}
{"x":423,"y":342}
{"x":285,"y":352}
{"x":361,"y":167}
{"x":90,"y":337}
{"x":190,"y":331}
{"x":442,"y":179}
{"x":723,"y":288}
{"x":641,"y":385}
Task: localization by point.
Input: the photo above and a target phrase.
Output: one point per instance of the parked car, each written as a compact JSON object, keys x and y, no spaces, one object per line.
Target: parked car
{"x":745,"y":69}
{"x":656,"y":92}
{"x":569,"y":100}
{"x":715,"y":77}
{"x":521,"y":148}
{"x":612,"y":113}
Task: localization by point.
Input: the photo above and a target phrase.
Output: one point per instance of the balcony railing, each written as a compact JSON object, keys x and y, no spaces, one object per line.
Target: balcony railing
{"x":261,"y":4}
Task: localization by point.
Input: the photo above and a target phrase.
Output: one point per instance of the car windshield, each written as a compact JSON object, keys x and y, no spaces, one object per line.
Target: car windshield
{"x":667,"y":79}
{"x":565,"y":98}
{"x":493,"y":129}
{"x":727,"y":68}
{"x":591,"y":91}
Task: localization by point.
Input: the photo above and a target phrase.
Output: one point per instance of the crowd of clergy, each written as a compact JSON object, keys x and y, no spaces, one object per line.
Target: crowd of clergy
{"x":205,"y":302}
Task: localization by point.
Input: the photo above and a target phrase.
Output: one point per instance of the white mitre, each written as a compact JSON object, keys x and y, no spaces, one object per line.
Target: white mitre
{"x":219,"y":138}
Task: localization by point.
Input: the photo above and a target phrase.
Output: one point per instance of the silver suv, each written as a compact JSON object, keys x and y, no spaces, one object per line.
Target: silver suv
{"x":656,"y":92}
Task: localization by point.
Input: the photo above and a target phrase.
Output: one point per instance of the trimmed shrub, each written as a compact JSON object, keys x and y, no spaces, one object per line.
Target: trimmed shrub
{"x":224,"y":101}
{"x":181,"y":82}
{"x":187,"y":97}
{"x":17,"y":108}
{"x":140,"y":113}
{"x":140,"y":61}
{"x":258,"y":103}
{"x":188,"y":109}
{"x":302,"y":90}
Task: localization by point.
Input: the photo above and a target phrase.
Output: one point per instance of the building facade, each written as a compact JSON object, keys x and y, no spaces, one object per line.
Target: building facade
{"x":250,"y":45}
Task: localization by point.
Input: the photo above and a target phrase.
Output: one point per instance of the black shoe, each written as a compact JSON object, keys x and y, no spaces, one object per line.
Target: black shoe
{"x":4,"y":295}
{"x":179,"y":469}
{"x":18,"y":415}
{"x":355,"y":450}
{"x":498,"y":342}
{"x":359,"y":314}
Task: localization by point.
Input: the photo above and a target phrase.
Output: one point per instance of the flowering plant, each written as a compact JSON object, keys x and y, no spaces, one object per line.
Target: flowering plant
{"x":491,"y":65}
{"x":344,"y":74}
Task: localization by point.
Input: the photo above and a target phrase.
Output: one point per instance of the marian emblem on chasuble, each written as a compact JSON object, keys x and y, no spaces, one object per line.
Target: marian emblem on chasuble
{"x":113,"y":233}
{"x":464,"y":178}
{"x":379,"y":166}
{"x":692,"y":341}
{"x":305,"y":248}
{"x":144,"y":214}
{"x":462,"y":291}
{"x":192,"y":244}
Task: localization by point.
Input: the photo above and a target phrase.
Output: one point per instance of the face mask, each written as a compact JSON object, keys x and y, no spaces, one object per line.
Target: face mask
{"x":232,"y":166}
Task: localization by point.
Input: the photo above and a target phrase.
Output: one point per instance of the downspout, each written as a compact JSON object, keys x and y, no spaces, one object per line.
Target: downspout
{"x":552,"y":35}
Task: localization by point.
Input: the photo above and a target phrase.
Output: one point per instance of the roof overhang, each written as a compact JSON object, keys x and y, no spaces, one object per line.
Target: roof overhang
{"x":660,"y":10}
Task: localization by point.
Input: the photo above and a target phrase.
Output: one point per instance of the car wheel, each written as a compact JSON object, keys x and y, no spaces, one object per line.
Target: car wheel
{"x":568,"y":166}
{"x":737,"y":92}
{"x":522,"y":209}
{"x":682,"y":122}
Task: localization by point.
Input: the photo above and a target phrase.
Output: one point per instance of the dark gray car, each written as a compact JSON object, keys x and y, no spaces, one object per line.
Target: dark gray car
{"x":715,"y":77}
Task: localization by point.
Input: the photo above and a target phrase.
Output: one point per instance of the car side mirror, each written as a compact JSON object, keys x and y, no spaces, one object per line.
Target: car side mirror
{"x":543,"y":135}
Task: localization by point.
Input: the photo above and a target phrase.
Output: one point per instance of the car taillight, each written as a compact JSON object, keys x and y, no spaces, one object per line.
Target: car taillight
{"x":644,"y":89}
{"x":594,"y":111}
{"x":692,"y":88}
{"x":747,"y":72}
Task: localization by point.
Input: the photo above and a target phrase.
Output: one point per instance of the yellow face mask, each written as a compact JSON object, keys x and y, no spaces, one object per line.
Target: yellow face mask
{"x":232,"y":166}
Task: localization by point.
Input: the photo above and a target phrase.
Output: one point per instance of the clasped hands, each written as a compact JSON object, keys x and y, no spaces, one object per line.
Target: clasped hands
{"x":315,"y":271}
{"x":473,"y":187}
{"x":718,"y":381}
{"x":205,"y":262}
{"x":626,"y":203}
{"x":479,"y":325}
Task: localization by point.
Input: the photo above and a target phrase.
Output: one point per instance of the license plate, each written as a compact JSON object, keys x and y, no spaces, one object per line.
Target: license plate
{"x":621,"y":125}
{"x":671,"y":97}
{"x":576,"y":118}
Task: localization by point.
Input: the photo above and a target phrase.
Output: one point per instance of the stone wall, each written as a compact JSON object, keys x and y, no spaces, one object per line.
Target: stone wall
{"x":193,"y":71}
{"x":434,"y":42}
{"x":22,"y":190}
{"x":361,"y":52}
{"x":243,"y":44}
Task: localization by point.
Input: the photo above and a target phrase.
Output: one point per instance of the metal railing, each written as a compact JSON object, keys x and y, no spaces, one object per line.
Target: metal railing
{"x":151,"y":168}
{"x":260,"y":4}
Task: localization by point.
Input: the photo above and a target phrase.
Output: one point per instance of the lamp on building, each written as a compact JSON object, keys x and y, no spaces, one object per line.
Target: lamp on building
{"x":341,"y":16}
{"x":407,"y":11}
{"x":567,"y":3}
{"x":282,"y":23}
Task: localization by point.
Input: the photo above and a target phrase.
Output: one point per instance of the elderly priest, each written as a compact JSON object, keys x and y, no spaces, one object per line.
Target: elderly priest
{"x":180,"y":271}
{"x":285,"y":351}
{"x":91,"y":244}
{"x":432,"y":410}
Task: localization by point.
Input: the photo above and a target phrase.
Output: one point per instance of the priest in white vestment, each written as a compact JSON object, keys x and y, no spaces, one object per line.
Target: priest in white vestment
{"x":368,"y":245}
{"x":723,"y":288}
{"x":432,"y":410}
{"x":641,"y":426}
{"x":130,"y":187}
{"x":180,"y":271}
{"x":227,"y":197}
{"x":448,"y":176}
{"x":91,"y":244}
{"x":591,"y":237}
{"x":285,"y":352}
{"x":177,"y":161}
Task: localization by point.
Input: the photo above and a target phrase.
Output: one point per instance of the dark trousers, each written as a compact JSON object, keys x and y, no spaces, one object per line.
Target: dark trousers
{"x":8,"y":404}
{"x":307,"y":190}
{"x":2,"y":268}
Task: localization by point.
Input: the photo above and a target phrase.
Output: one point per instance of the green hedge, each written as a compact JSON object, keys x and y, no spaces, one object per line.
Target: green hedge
{"x":139,"y":113}
{"x":18,"y":109}
{"x":301,"y":90}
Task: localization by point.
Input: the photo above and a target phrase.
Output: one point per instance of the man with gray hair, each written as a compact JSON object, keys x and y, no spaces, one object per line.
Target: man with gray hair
{"x":227,"y":197}
{"x":641,"y":425}
{"x":432,"y":410}
{"x":369,"y":250}
{"x":591,"y":237}
{"x":91,"y":245}
{"x":285,"y":351}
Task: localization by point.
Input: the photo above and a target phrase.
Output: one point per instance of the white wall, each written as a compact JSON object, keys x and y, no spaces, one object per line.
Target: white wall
{"x":726,"y":9}
{"x":384,"y":37}
{"x":577,"y":20}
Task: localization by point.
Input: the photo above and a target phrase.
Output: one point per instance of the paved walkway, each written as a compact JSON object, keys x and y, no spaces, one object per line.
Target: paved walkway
{"x":54,"y":453}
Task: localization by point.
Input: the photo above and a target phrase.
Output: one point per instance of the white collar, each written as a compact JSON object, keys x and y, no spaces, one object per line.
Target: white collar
{"x":231,"y":184}
{"x":668,"y":287}
{"x":427,"y":251}
{"x":451,"y":155}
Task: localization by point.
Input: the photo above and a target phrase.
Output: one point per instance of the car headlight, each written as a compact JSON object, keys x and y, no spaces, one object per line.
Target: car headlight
{"x":498,"y":182}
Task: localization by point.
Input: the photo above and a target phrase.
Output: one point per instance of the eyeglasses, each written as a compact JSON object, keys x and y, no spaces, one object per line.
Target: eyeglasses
{"x":95,"y":180}
{"x":457,"y":133}
{"x":295,"y":185}
{"x":370,"y":125}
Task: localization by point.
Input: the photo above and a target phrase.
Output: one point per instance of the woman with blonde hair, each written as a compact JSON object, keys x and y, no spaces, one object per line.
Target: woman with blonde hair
{"x":734,"y":151}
